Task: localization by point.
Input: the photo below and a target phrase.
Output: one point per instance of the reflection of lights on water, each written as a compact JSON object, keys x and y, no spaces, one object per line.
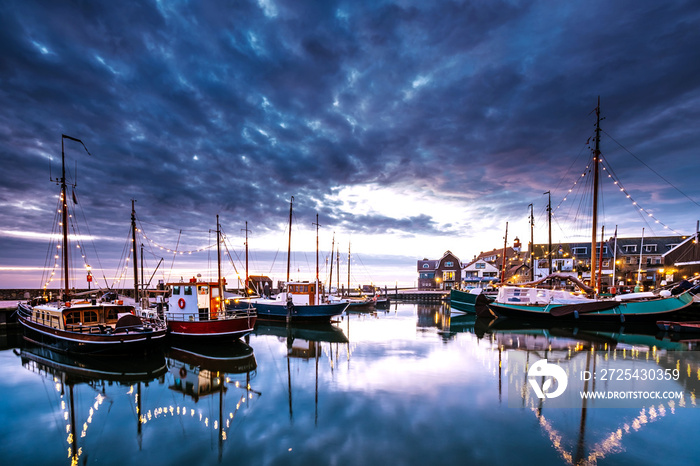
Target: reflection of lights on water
{"x":99,"y":399}
{"x":174,"y":411}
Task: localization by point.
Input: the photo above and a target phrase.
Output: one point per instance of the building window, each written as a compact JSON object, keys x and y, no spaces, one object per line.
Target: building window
{"x":649,"y":248}
{"x":449,"y":264}
{"x":630,"y":248}
{"x":448,"y":276}
{"x":479,"y":265}
{"x":427,"y":275}
{"x":579,"y":251}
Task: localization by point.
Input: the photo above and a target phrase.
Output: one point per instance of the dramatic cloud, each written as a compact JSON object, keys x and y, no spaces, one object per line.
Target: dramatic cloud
{"x":203,"y":108}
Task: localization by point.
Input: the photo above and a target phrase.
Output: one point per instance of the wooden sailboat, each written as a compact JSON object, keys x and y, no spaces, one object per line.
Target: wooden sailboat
{"x":537,"y":303}
{"x":85,"y":325}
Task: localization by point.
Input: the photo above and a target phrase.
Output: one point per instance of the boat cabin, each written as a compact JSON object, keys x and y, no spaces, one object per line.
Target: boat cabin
{"x":303,"y":293}
{"x":80,"y":316}
{"x":195,"y":300}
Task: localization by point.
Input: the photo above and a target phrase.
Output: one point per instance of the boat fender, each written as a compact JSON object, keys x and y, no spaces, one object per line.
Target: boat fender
{"x":181,"y":303}
{"x":575,"y":314}
{"x":183,"y":372}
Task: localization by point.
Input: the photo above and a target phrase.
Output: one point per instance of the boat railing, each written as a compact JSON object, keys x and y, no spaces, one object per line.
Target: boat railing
{"x":89,"y":329}
{"x":227,"y":314}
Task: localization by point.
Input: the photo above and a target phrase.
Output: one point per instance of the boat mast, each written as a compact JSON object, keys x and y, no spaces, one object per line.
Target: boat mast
{"x":596,"y":162}
{"x":600,"y":259}
{"x":218,"y":265}
{"x":133,"y":249}
{"x":330,"y":278}
{"x":348,"y":268}
{"x":337,"y":266}
{"x":289,"y":244}
{"x":316,"y":291}
{"x":549,"y":224}
{"x":246,"y":260}
{"x":505,"y":245}
{"x":64,"y":210}
{"x":639,"y":269}
{"x":532,"y":244}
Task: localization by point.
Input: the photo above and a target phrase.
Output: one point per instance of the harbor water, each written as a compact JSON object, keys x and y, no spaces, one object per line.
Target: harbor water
{"x":412,"y":385}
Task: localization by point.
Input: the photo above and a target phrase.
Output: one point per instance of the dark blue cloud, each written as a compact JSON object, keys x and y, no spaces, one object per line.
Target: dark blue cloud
{"x":231,"y":108}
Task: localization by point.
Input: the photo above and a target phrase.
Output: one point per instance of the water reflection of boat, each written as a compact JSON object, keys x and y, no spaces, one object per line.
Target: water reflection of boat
{"x":314,"y":332}
{"x":90,"y":368}
{"x":98,"y":372}
{"x":200,"y":369}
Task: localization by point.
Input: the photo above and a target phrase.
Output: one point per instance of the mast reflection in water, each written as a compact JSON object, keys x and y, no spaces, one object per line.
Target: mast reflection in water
{"x":414,"y":384}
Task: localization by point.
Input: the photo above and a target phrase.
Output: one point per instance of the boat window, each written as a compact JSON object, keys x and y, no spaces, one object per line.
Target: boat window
{"x":89,"y":316}
{"x":111,"y":314}
{"x":176,"y":291}
{"x":203,"y":290}
{"x":73,"y":317}
{"x":311,"y":289}
{"x":188,"y":291}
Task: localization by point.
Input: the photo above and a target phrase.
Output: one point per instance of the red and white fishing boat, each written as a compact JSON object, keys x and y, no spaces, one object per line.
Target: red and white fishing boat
{"x":197,"y":308}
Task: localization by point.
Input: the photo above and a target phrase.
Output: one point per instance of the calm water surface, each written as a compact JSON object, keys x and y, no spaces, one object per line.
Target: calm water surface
{"x":413,"y":385}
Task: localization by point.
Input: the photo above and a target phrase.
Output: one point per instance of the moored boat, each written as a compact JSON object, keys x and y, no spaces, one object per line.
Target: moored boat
{"x":89,"y":326}
{"x":465,"y":301}
{"x":300,"y":302}
{"x":536,"y":303}
{"x":528,"y":302}
{"x":196,"y":310}
{"x":79,"y":325}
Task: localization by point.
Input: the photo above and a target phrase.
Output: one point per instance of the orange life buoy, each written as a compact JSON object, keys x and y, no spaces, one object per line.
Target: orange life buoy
{"x":183,"y":372}
{"x":181,"y":303}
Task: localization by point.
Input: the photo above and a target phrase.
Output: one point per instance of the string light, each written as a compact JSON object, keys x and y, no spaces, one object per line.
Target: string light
{"x":622,"y":189}
{"x":174,"y":250}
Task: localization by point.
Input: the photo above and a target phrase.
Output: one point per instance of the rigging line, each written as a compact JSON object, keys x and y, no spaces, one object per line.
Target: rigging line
{"x":172,"y":228}
{"x":583,"y":148}
{"x":618,"y":183}
{"x":172,"y":262}
{"x":94,"y":247}
{"x":654,"y":171}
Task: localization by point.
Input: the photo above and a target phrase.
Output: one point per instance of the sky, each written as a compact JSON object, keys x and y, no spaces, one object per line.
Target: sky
{"x":410,"y":127}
